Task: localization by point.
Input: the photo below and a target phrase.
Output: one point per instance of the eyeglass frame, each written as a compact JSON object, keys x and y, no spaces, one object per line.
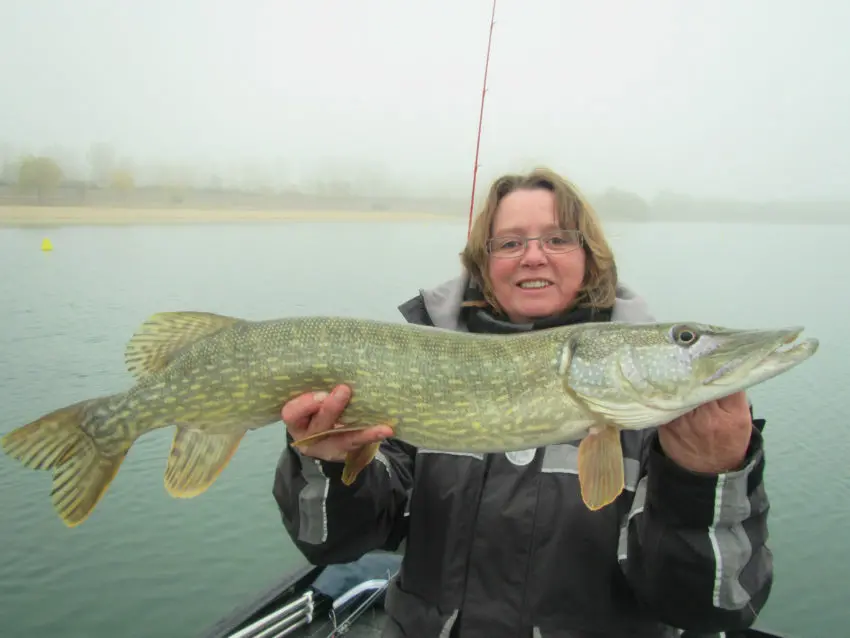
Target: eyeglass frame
{"x":579,"y":236}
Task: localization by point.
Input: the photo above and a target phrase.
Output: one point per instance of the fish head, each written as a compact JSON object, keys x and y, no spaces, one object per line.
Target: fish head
{"x":637,"y":376}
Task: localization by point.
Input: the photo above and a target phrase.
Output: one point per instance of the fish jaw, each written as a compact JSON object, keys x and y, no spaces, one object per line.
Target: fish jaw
{"x":645,"y":375}
{"x":781,"y":353}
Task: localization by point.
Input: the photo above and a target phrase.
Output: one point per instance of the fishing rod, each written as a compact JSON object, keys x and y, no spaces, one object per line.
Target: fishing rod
{"x":481,"y":119}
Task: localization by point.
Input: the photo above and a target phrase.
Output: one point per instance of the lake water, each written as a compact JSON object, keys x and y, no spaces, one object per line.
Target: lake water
{"x":145,"y":564}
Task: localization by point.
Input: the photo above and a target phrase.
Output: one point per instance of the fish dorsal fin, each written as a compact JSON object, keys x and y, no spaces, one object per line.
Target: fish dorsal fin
{"x":165,"y":334}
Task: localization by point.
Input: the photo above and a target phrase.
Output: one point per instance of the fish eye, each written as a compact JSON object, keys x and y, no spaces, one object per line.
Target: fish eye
{"x":684,"y":336}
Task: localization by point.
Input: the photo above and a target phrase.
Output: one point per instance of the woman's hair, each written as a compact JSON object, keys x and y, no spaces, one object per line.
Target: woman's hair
{"x":600,"y":277}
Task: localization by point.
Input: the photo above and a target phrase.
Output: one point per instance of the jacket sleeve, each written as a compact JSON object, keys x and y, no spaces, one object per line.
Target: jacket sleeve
{"x":693,"y":546}
{"x":330,"y":522}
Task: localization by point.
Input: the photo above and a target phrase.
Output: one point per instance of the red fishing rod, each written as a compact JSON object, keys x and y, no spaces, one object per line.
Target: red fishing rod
{"x":481,"y":119}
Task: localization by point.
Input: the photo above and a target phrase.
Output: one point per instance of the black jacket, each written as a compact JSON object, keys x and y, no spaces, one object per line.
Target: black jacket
{"x":502,"y":545}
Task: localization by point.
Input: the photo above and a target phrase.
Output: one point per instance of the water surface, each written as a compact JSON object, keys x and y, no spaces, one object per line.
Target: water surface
{"x":145,"y":564}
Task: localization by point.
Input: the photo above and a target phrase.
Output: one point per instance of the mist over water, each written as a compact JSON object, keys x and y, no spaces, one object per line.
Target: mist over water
{"x":722,"y":100}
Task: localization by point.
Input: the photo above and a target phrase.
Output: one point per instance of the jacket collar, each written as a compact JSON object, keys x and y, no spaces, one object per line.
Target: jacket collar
{"x":443,"y":304}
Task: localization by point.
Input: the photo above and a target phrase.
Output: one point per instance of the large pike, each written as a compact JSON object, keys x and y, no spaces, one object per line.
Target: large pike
{"x":216,"y":377}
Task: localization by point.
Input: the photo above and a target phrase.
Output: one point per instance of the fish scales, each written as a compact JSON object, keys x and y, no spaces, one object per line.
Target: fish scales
{"x":241,"y":376}
{"x":216,"y":377}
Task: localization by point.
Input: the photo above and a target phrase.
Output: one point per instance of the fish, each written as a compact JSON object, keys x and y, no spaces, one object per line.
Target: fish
{"x":215,"y":377}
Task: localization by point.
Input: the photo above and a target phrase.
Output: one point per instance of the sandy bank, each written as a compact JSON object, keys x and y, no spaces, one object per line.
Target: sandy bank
{"x":68,"y":215}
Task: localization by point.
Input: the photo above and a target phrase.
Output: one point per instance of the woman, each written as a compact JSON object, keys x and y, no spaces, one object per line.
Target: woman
{"x":501,"y":544}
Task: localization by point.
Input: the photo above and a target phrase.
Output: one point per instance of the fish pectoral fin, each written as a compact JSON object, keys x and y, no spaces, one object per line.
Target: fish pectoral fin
{"x":319,"y":436}
{"x":56,"y":441}
{"x":600,"y":467}
{"x":357,"y":460}
{"x":197,"y":458}
{"x":165,"y":334}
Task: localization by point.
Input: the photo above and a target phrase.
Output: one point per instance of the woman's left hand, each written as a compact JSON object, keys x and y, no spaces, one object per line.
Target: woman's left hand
{"x":713,"y":438}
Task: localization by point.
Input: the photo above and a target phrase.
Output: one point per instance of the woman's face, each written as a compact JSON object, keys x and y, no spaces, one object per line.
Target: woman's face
{"x":536,"y":283}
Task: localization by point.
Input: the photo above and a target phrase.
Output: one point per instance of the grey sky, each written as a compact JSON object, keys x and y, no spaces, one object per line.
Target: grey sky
{"x":745,"y":99}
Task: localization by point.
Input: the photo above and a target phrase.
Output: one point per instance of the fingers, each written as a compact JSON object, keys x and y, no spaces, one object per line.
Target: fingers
{"x":353,"y":440}
{"x":313,"y":412}
{"x":296,"y":413}
{"x":330,"y":409}
{"x":372,"y":435}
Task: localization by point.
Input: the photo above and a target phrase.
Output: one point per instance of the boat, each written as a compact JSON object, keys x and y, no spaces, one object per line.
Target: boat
{"x":314,"y":601}
{"x":337,"y":600}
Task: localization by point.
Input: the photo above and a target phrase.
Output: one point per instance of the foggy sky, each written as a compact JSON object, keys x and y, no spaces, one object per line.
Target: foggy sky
{"x":746,"y":99}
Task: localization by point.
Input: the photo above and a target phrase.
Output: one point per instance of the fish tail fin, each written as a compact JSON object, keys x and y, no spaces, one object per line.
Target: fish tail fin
{"x":58,"y":442}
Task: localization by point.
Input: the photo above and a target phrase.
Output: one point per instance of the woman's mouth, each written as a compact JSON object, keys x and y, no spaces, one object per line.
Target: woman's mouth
{"x":534,"y":284}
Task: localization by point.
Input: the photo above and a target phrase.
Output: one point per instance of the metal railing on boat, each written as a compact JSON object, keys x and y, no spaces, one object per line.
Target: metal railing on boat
{"x":281,"y":622}
{"x":299,"y":612}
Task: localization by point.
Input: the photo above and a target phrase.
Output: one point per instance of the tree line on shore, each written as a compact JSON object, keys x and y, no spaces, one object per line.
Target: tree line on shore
{"x":112,"y":181}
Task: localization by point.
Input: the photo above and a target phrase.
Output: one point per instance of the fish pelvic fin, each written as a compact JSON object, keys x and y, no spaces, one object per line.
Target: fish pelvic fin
{"x":357,"y":460}
{"x":197,"y":458}
{"x":57,"y":442}
{"x":600,"y":467}
{"x":320,"y":436}
{"x":165,"y":334}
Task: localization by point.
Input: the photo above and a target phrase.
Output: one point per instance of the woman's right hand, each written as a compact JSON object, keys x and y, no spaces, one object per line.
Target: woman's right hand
{"x":314,"y":412}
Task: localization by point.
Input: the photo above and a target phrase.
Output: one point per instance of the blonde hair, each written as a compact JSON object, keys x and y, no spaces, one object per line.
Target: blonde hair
{"x":600,"y":278}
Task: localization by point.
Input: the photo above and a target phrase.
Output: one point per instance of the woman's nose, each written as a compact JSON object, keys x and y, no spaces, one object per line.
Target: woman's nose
{"x":533,"y":252}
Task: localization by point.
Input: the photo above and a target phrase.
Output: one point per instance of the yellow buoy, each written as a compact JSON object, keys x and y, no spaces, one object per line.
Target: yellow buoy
{"x":46,"y":245}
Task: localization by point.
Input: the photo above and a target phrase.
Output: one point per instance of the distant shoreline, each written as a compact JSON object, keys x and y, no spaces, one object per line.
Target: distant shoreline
{"x":35,"y":216}
{"x":29,"y":216}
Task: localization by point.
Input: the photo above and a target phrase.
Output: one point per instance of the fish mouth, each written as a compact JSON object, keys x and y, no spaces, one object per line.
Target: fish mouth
{"x":780,"y":353}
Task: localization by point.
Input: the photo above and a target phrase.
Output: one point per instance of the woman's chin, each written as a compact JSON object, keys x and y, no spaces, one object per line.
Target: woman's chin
{"x":531,"y":311}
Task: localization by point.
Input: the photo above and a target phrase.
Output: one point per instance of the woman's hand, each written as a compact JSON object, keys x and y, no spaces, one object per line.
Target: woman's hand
{"x":713,"y":438}
{"x":314,"y":412}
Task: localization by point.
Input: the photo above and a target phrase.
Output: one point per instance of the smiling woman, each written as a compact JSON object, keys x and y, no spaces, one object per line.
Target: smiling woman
{"x":541,"y":275}
{"x":503,"y":544}
{"x":524,"y":247}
